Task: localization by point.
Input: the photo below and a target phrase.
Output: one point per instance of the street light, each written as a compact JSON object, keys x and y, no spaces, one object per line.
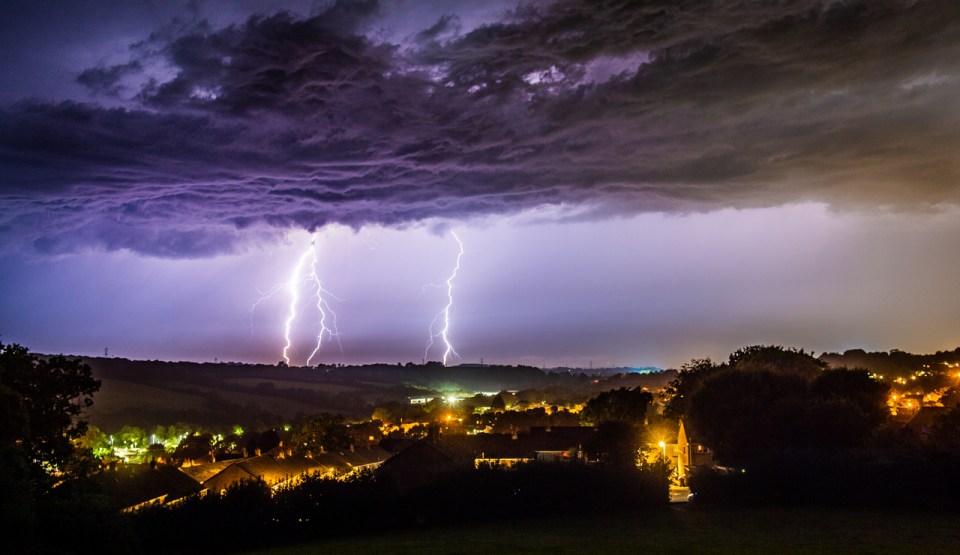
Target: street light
{"x":663,"y":446}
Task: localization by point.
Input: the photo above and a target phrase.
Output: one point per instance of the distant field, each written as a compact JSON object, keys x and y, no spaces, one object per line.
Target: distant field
{"x":277,"y":405}
{"x":119,"y":397}
{"x":679,"y":530}
{"x":115,"y":395}
{"x":281,"y":384}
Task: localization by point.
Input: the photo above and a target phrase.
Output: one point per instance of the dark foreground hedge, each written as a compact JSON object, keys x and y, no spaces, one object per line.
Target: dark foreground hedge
{"x":249,"y":516}
{"x":856,"y":477}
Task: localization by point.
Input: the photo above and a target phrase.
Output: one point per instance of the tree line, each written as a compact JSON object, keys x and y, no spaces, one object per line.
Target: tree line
{"x":785,"y":427}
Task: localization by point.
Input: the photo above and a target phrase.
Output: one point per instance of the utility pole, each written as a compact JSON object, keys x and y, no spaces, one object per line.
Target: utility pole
{"x":106,"y":352}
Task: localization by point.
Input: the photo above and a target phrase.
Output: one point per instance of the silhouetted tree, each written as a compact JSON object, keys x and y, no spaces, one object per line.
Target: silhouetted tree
{"x":44,"y":400}
{"x":13,"y":415}
{"x":229,"y":443}
{"x":395,"y":412}
{"x":41,"y":404}
{"x":857,"y":387}
{"x":617,"y":443}
{"x":269,"y":439}
{"x":362,"y":433}
{"x":744,"y":412}
{"x":945,"y":431}
{"x":323,"y":432}
{"x":130,"y":436}
{"x":678,"y":392}
{"x":155,"y":452}
{"x":776,"y":358}
{"x":618,"y":405}
{"x":194,"y":447}
{"x":740,"y":413}
{"x":17,"y":510}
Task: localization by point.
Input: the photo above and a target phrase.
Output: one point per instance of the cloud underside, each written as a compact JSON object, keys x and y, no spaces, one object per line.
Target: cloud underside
{"x":609,"y":107}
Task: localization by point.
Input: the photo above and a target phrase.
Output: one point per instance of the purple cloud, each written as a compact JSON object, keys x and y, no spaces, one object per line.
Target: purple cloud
{"x":284,"y":122}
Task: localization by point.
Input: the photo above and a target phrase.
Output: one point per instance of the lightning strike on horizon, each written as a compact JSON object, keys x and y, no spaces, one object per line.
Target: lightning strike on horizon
{"x":445,"y":313}
{"x":299,"y":279}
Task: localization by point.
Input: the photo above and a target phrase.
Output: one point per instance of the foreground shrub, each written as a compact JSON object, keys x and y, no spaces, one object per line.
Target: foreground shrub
{"x":856,"y":477}
{"x":250,"y":515}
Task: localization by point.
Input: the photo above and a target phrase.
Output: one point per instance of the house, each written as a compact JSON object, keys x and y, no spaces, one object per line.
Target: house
{"x":419,"y":463}
{"x":202,"y":473}
{"x":280,"y":467}
{"x":437,"y":454}
{"x":356,"y":459}
{"x":276,"y":469}
{"x":541,"y":444}
{"x":394,"y":445}
{"x":132,"y":487}
{"x":923,"y":421}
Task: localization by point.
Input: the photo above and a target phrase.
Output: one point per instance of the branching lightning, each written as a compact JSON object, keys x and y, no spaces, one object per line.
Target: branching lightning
{"x":444,"y":315}
{"x":305,"y":276}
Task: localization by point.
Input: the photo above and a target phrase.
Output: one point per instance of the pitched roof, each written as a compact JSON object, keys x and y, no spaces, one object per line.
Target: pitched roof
{"x":428,"y":457}
{"x":394,"y":445}
{"x":463,"y":450}
{"x":524,"y":446}
{"x":274,"y":470}
{"x":331,"y":462}
{"x":416,"y":464}
{"x":135,"y":484}
{"x":925,"y":418}
{"x":363,"y":456}
{"x":203,"y":472}
{"x":271,"y":469}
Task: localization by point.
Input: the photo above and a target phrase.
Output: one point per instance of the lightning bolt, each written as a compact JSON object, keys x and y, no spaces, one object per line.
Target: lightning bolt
{"x":305,"y":276}
{"x":444,"y":333}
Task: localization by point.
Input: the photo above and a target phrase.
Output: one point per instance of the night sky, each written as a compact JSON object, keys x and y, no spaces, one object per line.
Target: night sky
{"x":634,"y":183}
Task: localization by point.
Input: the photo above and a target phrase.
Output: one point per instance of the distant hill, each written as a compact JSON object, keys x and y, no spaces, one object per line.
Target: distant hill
{"x":147,"y":393}
{"x":894,"y":363}
{"x":607,"y":371}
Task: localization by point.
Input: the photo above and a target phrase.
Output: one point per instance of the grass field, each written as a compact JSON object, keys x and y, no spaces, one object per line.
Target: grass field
{"x":276,"y":405}
{"x":281,"y":384}
{"x":115,"y":395}
{"x":680,"y":529}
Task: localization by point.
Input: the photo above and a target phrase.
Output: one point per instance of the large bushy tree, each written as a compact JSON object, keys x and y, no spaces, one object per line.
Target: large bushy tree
{"x":619,"y":415}
{"x":319,"y":433}
{"x":740,"y":413}
{"x":41,"y":409}
{"x":618,"y":405}
{"x":945,"y":431}
{"x":866,"y":396}
{"x":43,"y":402}
{"x":195,"y":446}
{"x":771,"y":399}
{"x":678,"y":392}
{"x":776,"y":358}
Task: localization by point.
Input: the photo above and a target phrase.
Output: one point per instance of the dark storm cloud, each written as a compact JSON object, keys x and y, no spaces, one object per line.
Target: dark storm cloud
{"x":615,"y":106}
{"x":107,"y":80}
